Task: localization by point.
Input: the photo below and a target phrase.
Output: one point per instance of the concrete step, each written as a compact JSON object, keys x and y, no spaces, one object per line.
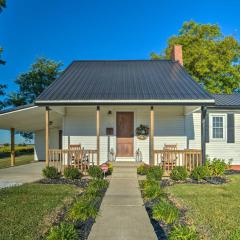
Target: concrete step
{"x":126,"y":164}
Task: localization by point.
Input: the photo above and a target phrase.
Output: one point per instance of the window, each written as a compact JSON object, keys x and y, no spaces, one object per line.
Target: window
{"x":218,"y":127}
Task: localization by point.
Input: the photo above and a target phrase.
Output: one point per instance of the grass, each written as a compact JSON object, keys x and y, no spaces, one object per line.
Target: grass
{"x":213,"y":209}
{"x":23,"y":208}
{"x":20,"y":160}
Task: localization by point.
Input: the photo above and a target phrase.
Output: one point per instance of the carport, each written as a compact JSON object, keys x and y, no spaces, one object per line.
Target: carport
{"x":28,"y":118}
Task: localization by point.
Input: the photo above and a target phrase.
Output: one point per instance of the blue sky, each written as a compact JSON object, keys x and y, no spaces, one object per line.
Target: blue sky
{"x":75,"y":29}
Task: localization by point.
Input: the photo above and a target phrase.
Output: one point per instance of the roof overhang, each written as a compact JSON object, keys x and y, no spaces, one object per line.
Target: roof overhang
{"x":27,"y":118}
{"x":128,"y":102}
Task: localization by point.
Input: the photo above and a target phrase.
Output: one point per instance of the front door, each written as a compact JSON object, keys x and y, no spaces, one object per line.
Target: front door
{"x":125,"y":134}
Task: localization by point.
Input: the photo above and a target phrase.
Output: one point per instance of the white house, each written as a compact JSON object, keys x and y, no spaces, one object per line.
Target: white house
{"x":100,"y":105}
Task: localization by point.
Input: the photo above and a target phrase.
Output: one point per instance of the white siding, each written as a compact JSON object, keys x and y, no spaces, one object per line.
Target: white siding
{"x":39,"y":138}
{"x":80,"y":127}
{"x":169,"y":127}
{"x":214,"y":149}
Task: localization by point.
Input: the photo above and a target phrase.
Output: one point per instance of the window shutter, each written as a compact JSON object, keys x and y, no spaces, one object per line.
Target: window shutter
{"x":207,"y":128}
{"x":230,"y":128}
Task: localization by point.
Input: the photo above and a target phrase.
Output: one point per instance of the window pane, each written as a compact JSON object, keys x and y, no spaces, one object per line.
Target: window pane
{"x":217,"y":127}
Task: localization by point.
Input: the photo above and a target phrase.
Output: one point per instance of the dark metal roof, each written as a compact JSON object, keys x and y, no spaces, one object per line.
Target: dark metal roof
{"x":138,"y":80}
{"x":13,"y":109}
{"x":227,"y":100}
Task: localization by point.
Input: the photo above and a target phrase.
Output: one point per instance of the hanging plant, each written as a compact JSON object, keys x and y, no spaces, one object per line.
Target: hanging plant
{"x":142,"y":132}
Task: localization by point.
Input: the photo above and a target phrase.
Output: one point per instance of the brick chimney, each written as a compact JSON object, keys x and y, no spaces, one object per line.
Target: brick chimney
{"x":177,"y":54}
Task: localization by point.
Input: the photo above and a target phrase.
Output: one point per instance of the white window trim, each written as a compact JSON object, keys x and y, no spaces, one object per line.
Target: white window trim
{"x":224,"y":116}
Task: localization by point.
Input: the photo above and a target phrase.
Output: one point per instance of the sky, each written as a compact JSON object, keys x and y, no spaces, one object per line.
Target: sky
{"x":98,"y":29}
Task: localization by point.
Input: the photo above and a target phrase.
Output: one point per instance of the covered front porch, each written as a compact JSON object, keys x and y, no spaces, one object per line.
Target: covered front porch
{"x":81,"y":136}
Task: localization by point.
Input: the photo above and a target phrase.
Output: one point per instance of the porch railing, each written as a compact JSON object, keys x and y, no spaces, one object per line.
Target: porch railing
{"x":81,"y":159}
{"x":168,"y":159}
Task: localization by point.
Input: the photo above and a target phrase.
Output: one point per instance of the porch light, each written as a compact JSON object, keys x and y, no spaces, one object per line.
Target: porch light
{"x":109,"y":112}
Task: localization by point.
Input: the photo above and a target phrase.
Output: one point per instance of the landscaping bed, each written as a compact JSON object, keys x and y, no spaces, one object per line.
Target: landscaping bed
{"x":169,"y":216}
{"x":75,"y":221}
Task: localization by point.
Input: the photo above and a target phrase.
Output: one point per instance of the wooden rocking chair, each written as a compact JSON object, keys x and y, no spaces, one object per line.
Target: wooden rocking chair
{"x":169,"y":157}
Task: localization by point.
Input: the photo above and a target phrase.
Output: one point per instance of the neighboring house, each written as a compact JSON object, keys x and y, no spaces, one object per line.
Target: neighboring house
{"x":99,"y":104}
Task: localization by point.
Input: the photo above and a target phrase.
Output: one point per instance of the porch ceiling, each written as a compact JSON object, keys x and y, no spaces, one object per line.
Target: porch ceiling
{"x":31,"y":118}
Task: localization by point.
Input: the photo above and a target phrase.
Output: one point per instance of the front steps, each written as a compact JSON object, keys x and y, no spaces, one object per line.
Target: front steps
{"x":126,"y":164}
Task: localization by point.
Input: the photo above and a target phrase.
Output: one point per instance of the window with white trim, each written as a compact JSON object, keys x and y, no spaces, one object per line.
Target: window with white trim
{"x":218,"y":127}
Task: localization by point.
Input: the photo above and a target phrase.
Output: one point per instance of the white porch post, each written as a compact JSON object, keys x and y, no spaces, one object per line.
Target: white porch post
{"x":151,"y":139}
{"x":47,"y":136}
{"x":98,"y":133}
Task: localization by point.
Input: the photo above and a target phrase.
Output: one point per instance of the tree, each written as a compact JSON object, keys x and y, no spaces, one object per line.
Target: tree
{"x":2,"y":93}
{"x":2,"y":4}
{"x":31,"y":84}
{"x":211,"y":58}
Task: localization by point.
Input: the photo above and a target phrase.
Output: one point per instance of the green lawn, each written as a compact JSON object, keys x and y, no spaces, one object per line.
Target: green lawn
{"x":20,"y":160}
{"x":214,"y":210}
{"x":23,"y":208}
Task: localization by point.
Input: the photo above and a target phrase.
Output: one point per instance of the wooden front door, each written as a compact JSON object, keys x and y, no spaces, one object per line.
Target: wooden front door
{"x":125,"y":134}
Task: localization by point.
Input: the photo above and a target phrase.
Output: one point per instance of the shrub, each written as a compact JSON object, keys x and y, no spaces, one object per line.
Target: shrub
{"x":179,"y":173}
{"x":151,"y":190}
{"x":142,"y":169}
{"x":235,"y":235}
{"x":72,"y":173}
{"x":200,"y":172}
{"x":64,"y":231}
{"x":51,"y":172}
{"x":183,"y":233}
{"x":165,"y":211}
{"x":216,"y":167}
{"x":154,"y":173}
{"x":99,"y":184}
{"x":95,"y":187}
{"x":84,"y":209}
{"x":95,"y":172}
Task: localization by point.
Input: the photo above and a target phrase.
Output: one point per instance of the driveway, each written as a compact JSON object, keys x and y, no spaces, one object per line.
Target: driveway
{"x":21,"y":174}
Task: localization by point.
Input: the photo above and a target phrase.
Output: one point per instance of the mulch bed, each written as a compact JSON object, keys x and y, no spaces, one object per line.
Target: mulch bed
{"x":83,"y":228}
{"x":209,"y":180}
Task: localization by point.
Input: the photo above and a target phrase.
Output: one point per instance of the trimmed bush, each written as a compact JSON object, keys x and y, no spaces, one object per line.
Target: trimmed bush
{"x":151,"y":190}
{"x":154,"y":173}
{"x":216,"y":167}
{"x":64,"y":231}
{"x":165,"y":211}
{"x":183,"y":233}
{"x":72,"y":173}
{"x":200,"y":172}
{"x":95,"y":172}
{"x":179,"y":173}
{"x":142,"y":169}
{"x":51,"y":172}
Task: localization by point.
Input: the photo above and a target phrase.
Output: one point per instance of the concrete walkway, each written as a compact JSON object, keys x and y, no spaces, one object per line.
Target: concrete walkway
{"x":122,"y":214}
{"x":21,"y":174}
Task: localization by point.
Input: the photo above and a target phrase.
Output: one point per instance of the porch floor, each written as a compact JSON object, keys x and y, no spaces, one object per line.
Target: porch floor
{"x":122,"y":213}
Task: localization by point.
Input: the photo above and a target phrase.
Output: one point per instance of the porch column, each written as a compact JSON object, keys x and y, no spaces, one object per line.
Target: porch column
{"x":203,"y":133}
{"x":98,"y":133}
{"x":151,"y":137}
{"x":13,"y":147}
{"x":47,"y":136}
